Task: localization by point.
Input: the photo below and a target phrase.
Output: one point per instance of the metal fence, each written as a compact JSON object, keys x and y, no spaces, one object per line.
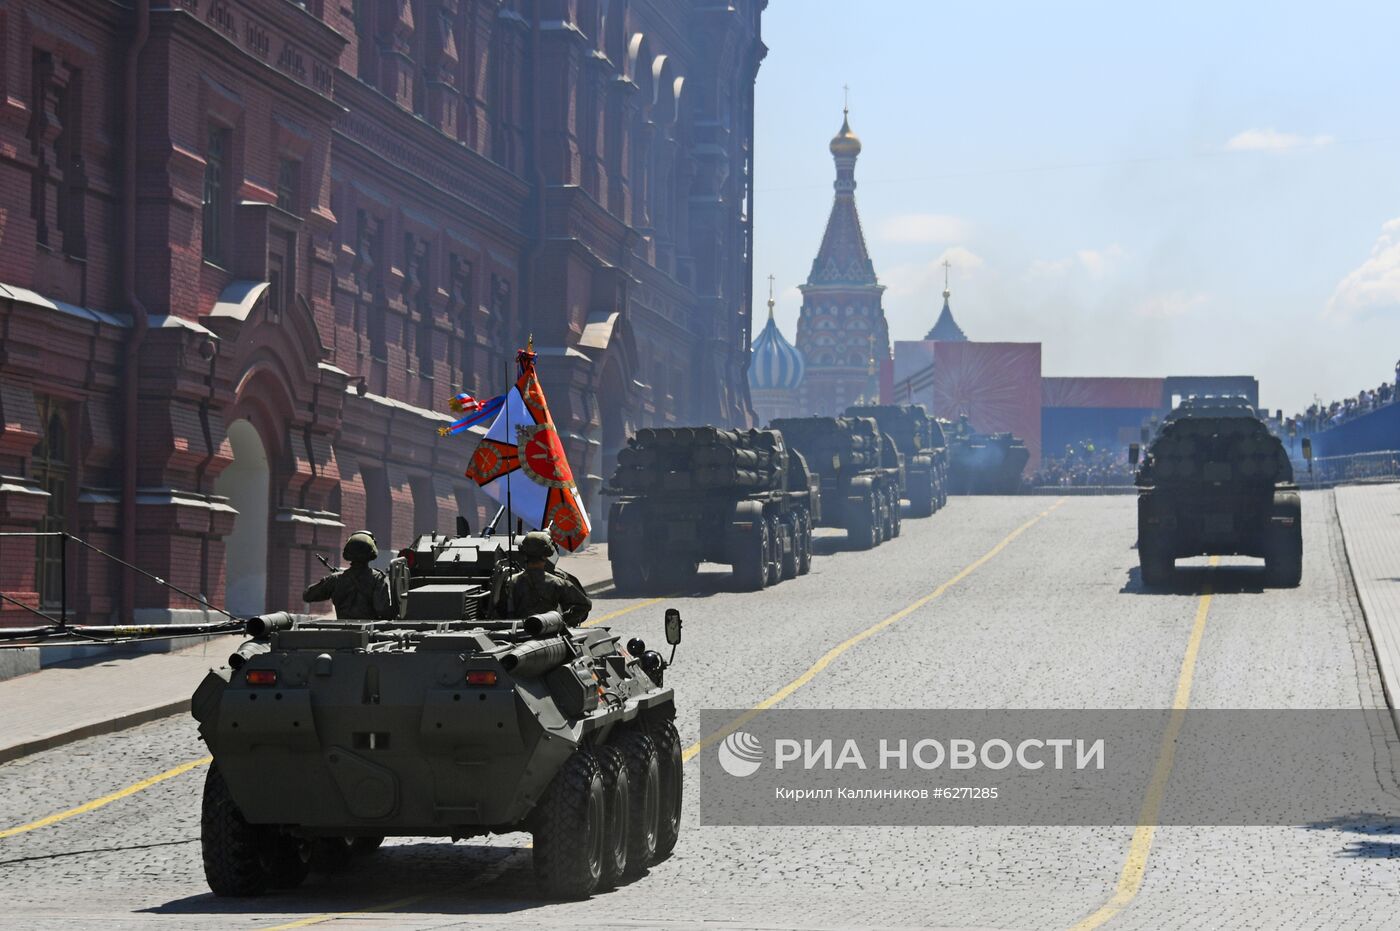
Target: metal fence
{"x":1382,"y":466}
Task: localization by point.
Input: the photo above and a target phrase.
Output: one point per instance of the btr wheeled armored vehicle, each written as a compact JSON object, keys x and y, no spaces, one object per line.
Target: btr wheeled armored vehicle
{"x":1215,"y":481}
{"x":328,"y":736}
{"x":920,"y":439}
{"x":686,"y":495}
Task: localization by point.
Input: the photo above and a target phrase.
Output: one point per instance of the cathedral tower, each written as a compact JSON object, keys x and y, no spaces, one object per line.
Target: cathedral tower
{"x":841,"y":331}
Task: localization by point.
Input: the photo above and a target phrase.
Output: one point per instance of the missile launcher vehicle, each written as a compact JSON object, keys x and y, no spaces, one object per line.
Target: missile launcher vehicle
{"x":920,"y":439}
{"x":328,"y":736}
{"x":686,"y":495}
{"x":984,"y":463}
{"x":861,"y":473}
{"x":1215,"y":481}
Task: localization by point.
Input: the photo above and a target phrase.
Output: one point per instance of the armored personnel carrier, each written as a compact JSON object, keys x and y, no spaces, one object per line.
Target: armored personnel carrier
{"x":1215,"y":481}
{"x":686,"y":495}
{"x":984,"y":463}
{"x":328,"y":736}
{"x":920,"y":439}
{"x":861,"y":474}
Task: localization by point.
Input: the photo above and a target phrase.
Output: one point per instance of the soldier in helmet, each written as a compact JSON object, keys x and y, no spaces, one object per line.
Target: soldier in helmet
{"x":540,"y":587}
{"x":359,"y":592}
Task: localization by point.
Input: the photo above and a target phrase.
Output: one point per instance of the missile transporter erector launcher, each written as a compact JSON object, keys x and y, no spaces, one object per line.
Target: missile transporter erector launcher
{"x":860,"y":470}
{"x":1215,"y":481}
{"x":328,"y":736}
{"x":686,"y":495}
{"x":920,"y":439}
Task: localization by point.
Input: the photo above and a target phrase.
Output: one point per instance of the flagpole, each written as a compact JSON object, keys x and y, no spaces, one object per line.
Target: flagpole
{"x":510,"y":513}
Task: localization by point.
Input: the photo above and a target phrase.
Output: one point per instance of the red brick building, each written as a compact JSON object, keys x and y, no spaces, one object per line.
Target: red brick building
{"x":249,"y":247}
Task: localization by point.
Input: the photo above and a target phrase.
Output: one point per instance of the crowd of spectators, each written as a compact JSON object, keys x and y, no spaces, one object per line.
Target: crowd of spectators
{"x":1084,"y":463}
{"x":1320,"y":417}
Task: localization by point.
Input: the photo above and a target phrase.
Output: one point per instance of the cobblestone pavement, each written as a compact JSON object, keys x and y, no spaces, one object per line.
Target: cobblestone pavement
{"x":1054,"y":619}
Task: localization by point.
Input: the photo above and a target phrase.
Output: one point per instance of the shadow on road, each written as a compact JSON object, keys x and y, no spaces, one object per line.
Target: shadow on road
{"x":1194,"y":580}
{"x":429,"y":877}
{"x":1374,"y":825}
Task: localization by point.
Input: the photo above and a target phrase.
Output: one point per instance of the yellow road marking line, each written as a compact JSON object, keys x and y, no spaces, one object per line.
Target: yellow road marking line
{"x":332,"y":916}
{"x":593,"y":621}
{"x":107,"y":799}
{"x":1135,"y":866}
{"x":831,"y":655}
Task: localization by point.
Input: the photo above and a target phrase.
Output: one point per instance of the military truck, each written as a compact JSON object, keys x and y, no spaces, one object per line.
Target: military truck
{"x":1215,"y":481}
{"x":983,"y":463}
{"x":327,"y":736}
{"x":686,"y":495}
{"x":860,"y":471}
{"x":920,"y":439}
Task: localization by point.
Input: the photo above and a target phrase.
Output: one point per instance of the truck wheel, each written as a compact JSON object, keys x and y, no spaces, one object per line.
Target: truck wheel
{"x":922,"y":495}
{"x":804,"y":543}
{"x":878,"y":502}
{"x":775,"y":550}
{"x":1283,"y":562}
{"x":644,"y":778}
{"x":570,"y":829}
{"x":630,"y":575}
{"x":751,"y":569}
{"x":668,"y":751}
{"x":896,"y":518}
{"x":791,"y":553}
{"x":617,"y":805}
{"x":231,"y":847}
{"x":1158,"y":569}
{"x":863,"y":532}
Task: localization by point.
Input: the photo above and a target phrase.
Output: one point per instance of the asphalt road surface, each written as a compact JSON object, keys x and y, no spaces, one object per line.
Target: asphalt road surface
{"x":1020,"y":602}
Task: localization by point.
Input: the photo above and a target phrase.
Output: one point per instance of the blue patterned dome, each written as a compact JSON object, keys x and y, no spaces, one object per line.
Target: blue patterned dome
{"x":775,"y":362}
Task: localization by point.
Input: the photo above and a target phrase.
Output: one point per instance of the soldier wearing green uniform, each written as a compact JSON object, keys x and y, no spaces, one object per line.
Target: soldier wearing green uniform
{"x":359,"y":593}
{"x":539,"y":587}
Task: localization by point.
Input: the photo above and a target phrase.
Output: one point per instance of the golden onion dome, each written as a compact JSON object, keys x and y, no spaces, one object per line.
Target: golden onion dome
{"x":845,"y":143}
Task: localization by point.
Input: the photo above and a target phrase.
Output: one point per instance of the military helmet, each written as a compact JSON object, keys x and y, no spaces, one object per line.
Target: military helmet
{"x":537,"y":545}
{"x":361,"y":547}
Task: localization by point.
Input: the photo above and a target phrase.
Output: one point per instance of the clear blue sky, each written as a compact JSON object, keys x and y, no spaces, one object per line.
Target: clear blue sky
{"x":1194,"y":188}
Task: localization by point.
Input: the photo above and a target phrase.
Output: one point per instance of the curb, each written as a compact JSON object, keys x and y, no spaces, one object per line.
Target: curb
{"x":599,"y":586}
{"x":93,"y":729}
{"x":1384,"y":670}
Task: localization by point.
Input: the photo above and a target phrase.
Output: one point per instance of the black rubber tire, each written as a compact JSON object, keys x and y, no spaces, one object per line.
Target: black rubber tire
{"x":644,"y":778}
{"x":923,"y":497}
{"x":896,"y":518}
{"x":288,"y":860}
{"x":618,"y":812}
{"x":1284,"y":563}
{"x":568,"y":828}
{"x":792,"y":555}
{"x":775,"y":550}
{"x":1158,"y":569}
{"x":231,"y":847}
{"x":877,"y":503}
{"x":862,"y":532}
{"x":804,"y":543}
{"x":668,"y":750}
{"x":751,"y":571}
{"x":363,"y":846}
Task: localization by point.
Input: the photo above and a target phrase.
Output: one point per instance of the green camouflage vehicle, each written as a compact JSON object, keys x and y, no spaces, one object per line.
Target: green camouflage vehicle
{"x":920,"y":439}
{"x":329,"y":736}
{"x":686,"y":495}
{"x":984,"y":463}
{"x":860,"y":470}
{"x":1215,"y":481}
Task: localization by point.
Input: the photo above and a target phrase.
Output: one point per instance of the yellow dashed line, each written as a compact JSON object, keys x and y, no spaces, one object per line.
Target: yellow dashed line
{"x":1135,"y":866}
{"x":370,"y":910}
{"x":107,"y":799}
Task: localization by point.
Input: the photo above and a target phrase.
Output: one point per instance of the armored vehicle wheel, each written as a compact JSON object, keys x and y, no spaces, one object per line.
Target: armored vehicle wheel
{"x":618,"y":809}
{"x":288,"y":861}
{"x":570,"y":829}
{"x":644,"y":778}
{"x":751,"y":569}
{"x":231,"y":847}
{"x":896,"y":518}
{"x":1157,"y":568}
{"x":668,"y":749}
{"x":804,"y":543}
{"x":1283,"y":560}
{"x":792,"y":553}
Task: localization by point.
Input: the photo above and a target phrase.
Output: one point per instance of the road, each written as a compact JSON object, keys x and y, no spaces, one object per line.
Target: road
{"x":1020,"y":602}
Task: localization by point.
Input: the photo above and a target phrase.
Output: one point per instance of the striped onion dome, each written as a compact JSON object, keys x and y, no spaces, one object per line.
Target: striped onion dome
{"x":775,"y":363}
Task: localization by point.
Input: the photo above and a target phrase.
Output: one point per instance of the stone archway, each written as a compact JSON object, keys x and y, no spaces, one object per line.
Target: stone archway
{"x":246,"y":482}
